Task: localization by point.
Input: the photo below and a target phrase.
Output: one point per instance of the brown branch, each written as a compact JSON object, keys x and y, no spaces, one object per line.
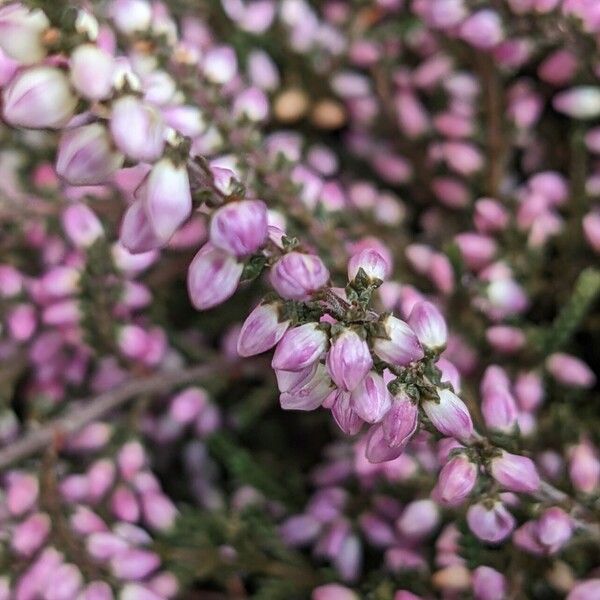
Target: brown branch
{"x":96,"y":407}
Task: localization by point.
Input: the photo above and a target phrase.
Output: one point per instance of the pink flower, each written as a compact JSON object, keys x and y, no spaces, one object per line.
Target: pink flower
{"x":515,"y":473}
{"x":261,"y":330}
{"x":449,"y":415}
{"x":402,"y":346}
{"x":348,"y":360}
{"x":300,"y":347}
{"x":491,"y":523}
{"x":456,"y":481}
{"x":297,"y":276}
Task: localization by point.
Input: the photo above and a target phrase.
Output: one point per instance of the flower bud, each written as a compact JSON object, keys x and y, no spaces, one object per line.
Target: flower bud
{"x":570,"y":370}
{"x":378,"y":449}
{"x":490,"y":216}
{"x":418,"y":519}
{"x":240,"y":228}
{"x":22,"y":492}
{"x":402,"y":347}
{"x":261,"y":330}
{"x":21,"y":33}
{"x":506,"y":339}
{"x":134,"y":564}
{"x":490,"y":524}
{"x":130,"y":16}
{"x":186,"y":119}
{"x":137,"y":128}
{"x":299,"y":530}
{"x":581,"y":102}
{"x":297,"y":276}
{"x":499,"y":410}
{"x":584,"y":467}
{"x":483,"y":29}
{"x":371,"y":262}
{"x":213,"y":277}
{"x":252,"y":104}
{"x":300,"y":347}
{"x":39,"y":97}
{"x":488,"y":584}
{"x":515,"y":473}
{"x":30,"y":534}
{"x":159,"y":512}
{"x":92,"y":72}
{"x":456,"y":481}
{"x":591,"y":229}
{"x":371,"y":399}
{"x":343,"y":413}
{"x":81,"y":225}
{"x":477,"y":250}
{"x":586,"y":590}
{"x":85,"y":155}
{"x":554,"y":528}
{"x":348,"y":360}
{"x":167,"y":198}
{"x":309,"y":392}
{"x":401,"y":420}
{"x":220,"y":64}
{"x":449,"y":415}
{"x":429,"y":325}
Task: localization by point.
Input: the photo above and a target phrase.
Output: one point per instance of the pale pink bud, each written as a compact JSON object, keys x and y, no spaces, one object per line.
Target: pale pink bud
{"x":300,"y":347}
{"x":477,"y":250}
{"x":488,"y":584}
{"x":586,"y":590}
{"x":134,"y":564}
{"x":251,"y":104}
{"x":30,"y":534}
{"x":371,"y":399}
{"x":96,"y":590}
{"x":92,"y":72}
{"x":299,"y":530}
{"x":371,"y":262}
{"x":559,"y":67}
{"x":419,"y":519}
{"x":167,"y":198}
{"x":64,"y":312}
{"x":22,"y":492}
{"x":400,"y":422}
{"x":133,"y":342}
{"x":490,"y":216}
{"x":490,"y":523}
{"x":483,"y":29}
{"x":442,"y":273}
{"x":64,"y":583}
{"x":449,"y":415}
{"x":187,"y":405}
{"x":348,"y":360}
{"x":450,"y":374}
{"x":378,"y":449}
{"x":591,"y":229}
{"x":306,"y":392}
{"x":343,"y":413}
{"x":240,"y":228}
{"x":429,"y":325}
{"x":333,"y":591}
{"x":499,"y":410}
{"x":220,"y":64}
{"x":39,"y":97}
{"x":100,"y":476}
{"x":262,"y":70}
{"x":377,"y":530}
{"x":85,"y":522}
{"x":456,"y":481}
{"x":159,"y":512}
{"x":86,"y":157}
{"x":504,"y":338}
{"x":11,"y":281}
{"x":104,"y":545}
{"x":297,"y":276}
{"x":261,"y":330}
{"x":187,"y":120}
{"x":21,"y":33}
{"x":137,"y":234}
{"x":81,"y":225}
{"x":130,"y":16}
{"x":507,"y":296}
{"x":515,"y":473}
{"x":348,"y":560}
{"x":213,"y":277}
{"x":412,"y":116}
{"x":21,"y":322}
{"x":554,"y":528}
{"x":570,"y":370}
{"x":131,"y":459}
{"x":124,"y":504}
{"x":581,"y":102}
{"x":584,"y":467}
{"x":137,"y":129}
{"x":402,"y":347}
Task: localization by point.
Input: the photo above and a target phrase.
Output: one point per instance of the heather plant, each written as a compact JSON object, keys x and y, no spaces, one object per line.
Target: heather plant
{"x":300,"y":299}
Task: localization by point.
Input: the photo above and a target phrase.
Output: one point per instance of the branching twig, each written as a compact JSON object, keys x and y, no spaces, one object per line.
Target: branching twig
{"x":96,"y":407}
